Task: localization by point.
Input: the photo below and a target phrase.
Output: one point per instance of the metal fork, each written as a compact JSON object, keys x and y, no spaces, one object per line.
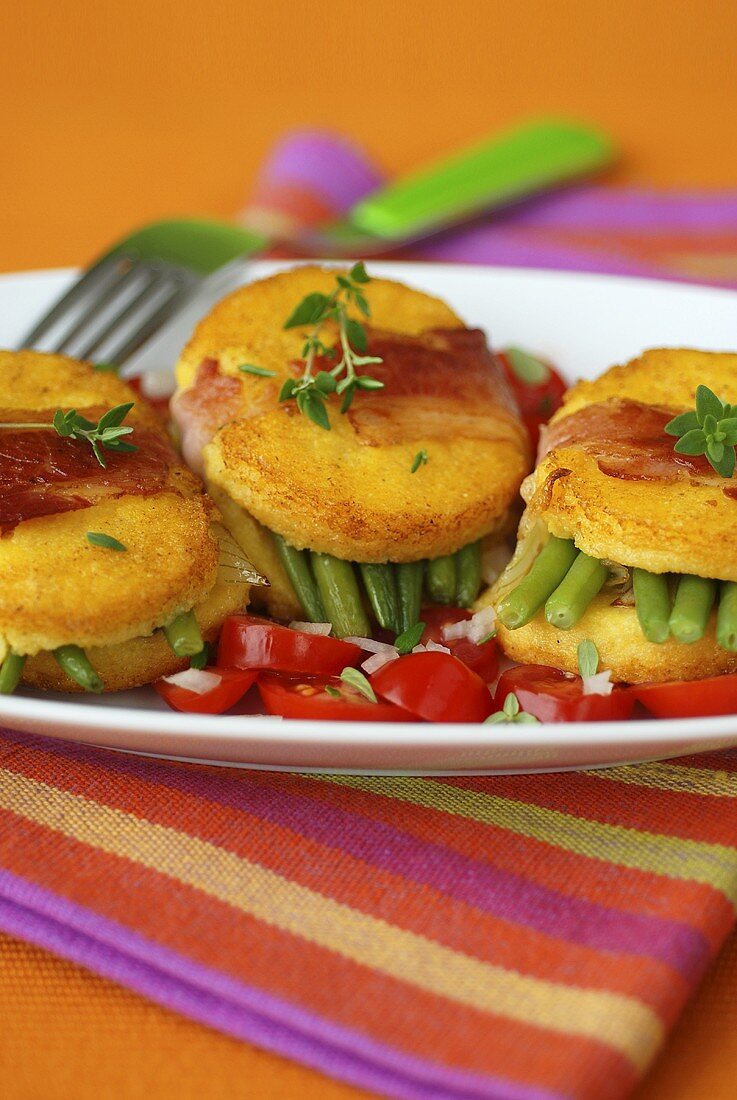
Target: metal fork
{"x":131,"y":291}
{"x":128,"y":294}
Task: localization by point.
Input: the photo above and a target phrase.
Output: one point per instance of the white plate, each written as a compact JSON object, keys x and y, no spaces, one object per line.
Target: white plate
{"x":584,"y":323}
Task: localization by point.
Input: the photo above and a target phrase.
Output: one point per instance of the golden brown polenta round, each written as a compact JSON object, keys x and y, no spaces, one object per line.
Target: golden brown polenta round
{"x":56,"y":588}
{"x":622,"y":646}
{"x":684,"y":526}
{"x":140,"y":660}
{"x":325,"y":490}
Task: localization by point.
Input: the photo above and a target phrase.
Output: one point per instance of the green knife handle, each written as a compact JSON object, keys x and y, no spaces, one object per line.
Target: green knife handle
{"x":511,"y":165}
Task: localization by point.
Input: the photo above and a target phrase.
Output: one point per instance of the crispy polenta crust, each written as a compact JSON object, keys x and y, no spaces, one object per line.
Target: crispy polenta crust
{"x":662,"y":527}
{"x":325,"y":490}
{"x":682,"y":527}
{"x":140,"y":660}
{"x":622,"y":646}
{"x":56,"y":588}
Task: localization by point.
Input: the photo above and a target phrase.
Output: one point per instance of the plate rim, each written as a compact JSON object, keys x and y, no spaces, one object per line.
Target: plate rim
{"x":68,"y":714}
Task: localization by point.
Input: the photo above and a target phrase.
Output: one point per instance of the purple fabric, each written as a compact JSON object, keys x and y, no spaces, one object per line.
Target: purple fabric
{"x":326,"y":164}
{"x":43,"y":918}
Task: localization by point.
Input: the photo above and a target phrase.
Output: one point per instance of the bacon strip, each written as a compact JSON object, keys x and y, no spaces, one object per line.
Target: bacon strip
{"x":628,"y":440}
{"x":443,"y":383}
{"x":213,"y":400}
{"x":42,"y":474}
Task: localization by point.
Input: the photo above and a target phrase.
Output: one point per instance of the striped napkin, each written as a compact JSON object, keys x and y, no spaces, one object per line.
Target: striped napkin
{"x":508,"y":938}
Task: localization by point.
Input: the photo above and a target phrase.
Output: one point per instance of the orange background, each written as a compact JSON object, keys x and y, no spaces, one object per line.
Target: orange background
{"x":111,"y":114}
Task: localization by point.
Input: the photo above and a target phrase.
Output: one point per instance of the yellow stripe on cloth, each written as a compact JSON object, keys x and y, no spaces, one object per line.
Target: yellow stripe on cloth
{"x":692,"y":860}
{"x":673,"y":777}
{"x":618,"y":1021}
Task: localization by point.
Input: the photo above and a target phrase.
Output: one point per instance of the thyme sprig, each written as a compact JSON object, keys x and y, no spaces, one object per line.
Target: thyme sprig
{"x":511,"y":714}
{"x":311,"y":389}
{"x":711,"y":430}
{"x":107,"y":433}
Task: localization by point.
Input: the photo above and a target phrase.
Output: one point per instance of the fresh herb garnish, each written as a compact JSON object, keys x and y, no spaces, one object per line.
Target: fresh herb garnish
{"x":528,"y":368}
{"x":107,"y":432}
{"x":358,"y":681}
{"x":511,"y":712}
{"x":261,"y":372}
{"x":588,"y":659}
{"x":411,"y":637}
{"x":311,"y":390}
{"x":711,"y":430}
{"x":420,"y":459}
{"x":332,"y":692}
{"x":99,"y":538}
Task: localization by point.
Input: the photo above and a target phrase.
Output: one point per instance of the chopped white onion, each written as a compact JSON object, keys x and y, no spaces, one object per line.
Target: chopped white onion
{"x":378,"y":660}
{"x":196,"y":680}
{"x":322,"y":629}
{"x":478,"y":627}
{"x":598,"y":684}
{"x":370,"y":645}
{"x":158,"y":383}
{"x":431,"y":647}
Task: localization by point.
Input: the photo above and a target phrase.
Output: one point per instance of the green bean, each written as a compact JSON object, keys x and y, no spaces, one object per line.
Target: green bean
{"x":691,"y":608}
{"x":652,"y":601}
{"x":575,"y":592}
{"x":73,"y":660}
{"x":183,"y":635}
{"x":409,"y":587}
{"x":10,"y":672}
{"x":441,"y":579}
{"x":468,"y":573}
{"x":727,"y":617}
{"x":381,"y":586}
{"x":548,"y":570}
{"x":297,"y":567}
{"x":341,"y":596}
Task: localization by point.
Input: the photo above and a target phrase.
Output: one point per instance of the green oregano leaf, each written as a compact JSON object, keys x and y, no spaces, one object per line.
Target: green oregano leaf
{"x":358,"y":681}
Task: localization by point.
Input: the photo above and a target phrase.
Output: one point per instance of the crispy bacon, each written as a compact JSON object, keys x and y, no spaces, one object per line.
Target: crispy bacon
{"x":42,"y":474}
{"x":209,"y":404}
{"x":628,"y":440}
{"x":444,"y":382}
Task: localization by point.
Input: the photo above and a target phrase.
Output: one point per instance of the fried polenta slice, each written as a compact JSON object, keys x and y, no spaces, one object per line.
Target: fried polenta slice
{"x":333,"y":491}
{"x":56,"y":587}
{"x":622,"y":646}
{"x":655,"y":517}
{"x":684,"y":525}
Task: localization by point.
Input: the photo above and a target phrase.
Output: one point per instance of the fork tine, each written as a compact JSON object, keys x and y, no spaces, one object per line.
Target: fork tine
{"x":96,"y":278}
{"x":186,"y":286}
{"x":157,"y":281}
{"x":127,"y":280}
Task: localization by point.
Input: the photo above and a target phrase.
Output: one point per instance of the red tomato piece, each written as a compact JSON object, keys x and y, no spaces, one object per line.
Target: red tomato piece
{"x":482,"y":659}
{"x":232,"y":686}
{"x":434,"y":686}
{"x":160,"y":404}
{"x":555,"y":696}
{"x":537,"y":403}
{"x":323,"y":697}
{"x":689,"y":698}
{"x":247,"y":641}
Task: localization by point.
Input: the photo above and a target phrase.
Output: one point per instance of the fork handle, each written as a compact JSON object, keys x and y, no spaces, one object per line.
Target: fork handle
{"x":214,"y":245}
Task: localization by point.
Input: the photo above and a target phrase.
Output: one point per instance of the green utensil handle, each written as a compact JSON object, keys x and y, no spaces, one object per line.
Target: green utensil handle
{"x":509,"y":166}
{"x":216,"y":244}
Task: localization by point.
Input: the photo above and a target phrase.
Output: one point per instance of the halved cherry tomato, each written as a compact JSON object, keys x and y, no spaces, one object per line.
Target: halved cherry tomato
{"x":434,"y":686}
{"x":232,"y":686}
{"x":537,"y":403}
{"x":689,"y":698}
{"x":482,"y":659}
{"x":247,"y":641}
{"x":309,"y":697}
{"x":555,"y":696}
